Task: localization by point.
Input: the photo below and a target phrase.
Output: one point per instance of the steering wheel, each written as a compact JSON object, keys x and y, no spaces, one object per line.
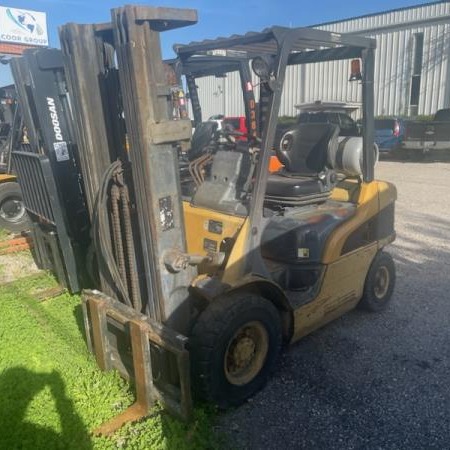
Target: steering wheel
{"x":229,"y":132}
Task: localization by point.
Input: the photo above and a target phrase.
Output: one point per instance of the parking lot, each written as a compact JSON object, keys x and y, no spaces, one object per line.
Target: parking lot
{"x":372,"y":381}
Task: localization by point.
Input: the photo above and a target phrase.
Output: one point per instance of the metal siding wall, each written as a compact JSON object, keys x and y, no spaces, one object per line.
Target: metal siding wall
{"x":435,"y":73}
{"x":234,"y":105}
{"x":221,"y":95}
{"x":329,"y":81}
{"x":211,"y":94}
{"x":390,"y":18}
{"x":319,"y":81}
{"x":394,"y":58}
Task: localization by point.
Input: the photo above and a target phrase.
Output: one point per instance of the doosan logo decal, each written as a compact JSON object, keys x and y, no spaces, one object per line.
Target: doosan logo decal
{"x":54,"y":118}
{"x":59,"y":145}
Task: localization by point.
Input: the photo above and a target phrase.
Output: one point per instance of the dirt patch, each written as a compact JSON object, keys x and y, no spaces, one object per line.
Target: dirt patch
{"x":15,"y":266}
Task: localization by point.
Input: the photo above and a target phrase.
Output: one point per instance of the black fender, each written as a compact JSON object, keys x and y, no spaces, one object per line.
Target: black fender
{"x":207,"y":289}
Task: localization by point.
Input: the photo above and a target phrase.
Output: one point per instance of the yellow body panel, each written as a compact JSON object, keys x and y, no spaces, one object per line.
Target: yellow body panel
{"x":197,"y":223}
{"x":346,"y":191}
{"x":368,"y":206}
{"x":387,"y":193}
{"x":4,"y":177}
{"x":234,"y":268}
{"x":343,"y":280}
{"x":341,"y":290}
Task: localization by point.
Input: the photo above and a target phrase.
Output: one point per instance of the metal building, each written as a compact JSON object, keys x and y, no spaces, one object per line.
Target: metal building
{"x":412,"y":71}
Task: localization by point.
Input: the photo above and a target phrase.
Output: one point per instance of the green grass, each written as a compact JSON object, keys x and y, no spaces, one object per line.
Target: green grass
{"x":3,"y":234}
{"x":52,"y":393}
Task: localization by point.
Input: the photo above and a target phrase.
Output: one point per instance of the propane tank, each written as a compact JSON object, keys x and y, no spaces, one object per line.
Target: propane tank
{"x":347,"y":157}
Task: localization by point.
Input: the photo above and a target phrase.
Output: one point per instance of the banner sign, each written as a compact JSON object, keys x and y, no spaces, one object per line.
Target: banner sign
{"x":19,"y":26}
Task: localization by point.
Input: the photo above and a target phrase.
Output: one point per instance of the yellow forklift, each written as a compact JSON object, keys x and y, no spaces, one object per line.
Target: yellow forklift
{"x":200,"y":294}
{"x":303,"y":245}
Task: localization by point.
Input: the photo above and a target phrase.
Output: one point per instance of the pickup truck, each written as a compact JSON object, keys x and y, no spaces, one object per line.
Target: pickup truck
{"x":427,"y":137}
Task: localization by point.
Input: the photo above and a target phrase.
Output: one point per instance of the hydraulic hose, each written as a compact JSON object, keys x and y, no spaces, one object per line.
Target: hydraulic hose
{"x":102,"y":235}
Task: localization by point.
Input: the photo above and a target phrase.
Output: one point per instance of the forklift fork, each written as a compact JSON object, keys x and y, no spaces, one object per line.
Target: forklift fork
{"x":110,"y":325}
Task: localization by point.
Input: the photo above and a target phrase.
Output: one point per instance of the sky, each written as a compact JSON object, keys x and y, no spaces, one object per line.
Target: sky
{"x":215,"y":18}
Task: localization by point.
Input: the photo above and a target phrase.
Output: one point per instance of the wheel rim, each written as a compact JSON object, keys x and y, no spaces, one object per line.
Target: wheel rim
{"x":382,"y":279}
{"x":246,"y":353}
{"x":12,"y":209}
{"x":286,"y":142}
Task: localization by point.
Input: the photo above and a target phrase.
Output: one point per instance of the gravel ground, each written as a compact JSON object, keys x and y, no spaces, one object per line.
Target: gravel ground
{"x":372,"y":381}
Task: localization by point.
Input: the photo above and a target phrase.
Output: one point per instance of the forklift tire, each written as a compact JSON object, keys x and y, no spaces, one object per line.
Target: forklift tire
{"x":234,"y":347}
{"x":380,"y":282}
{"x":13,"y":216}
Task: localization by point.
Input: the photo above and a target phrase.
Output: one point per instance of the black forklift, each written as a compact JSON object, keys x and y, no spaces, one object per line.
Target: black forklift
{"x":45,"y":158}
{"x":201,"y":292}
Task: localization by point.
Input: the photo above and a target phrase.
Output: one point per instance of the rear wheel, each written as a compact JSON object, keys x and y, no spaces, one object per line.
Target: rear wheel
{"x":234,"y":347}
{"x":13,"y":216}
{"x":380,"y":282}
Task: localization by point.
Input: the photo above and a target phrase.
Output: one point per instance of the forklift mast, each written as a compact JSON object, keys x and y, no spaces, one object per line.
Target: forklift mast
{"x":47,"y":166}
{"x":128,"y":145}
{"x":92,"y":79}
{"x":143,"y":166}
{"x":152,"y":136}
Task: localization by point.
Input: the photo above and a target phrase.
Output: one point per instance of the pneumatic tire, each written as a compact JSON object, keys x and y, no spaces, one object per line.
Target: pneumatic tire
{"x":380,"y":282}
{"x":234,"y":346}
{"x":13,"y":216}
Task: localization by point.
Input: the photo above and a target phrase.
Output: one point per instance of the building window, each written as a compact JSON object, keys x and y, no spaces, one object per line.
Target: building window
{"x":417,"y":71}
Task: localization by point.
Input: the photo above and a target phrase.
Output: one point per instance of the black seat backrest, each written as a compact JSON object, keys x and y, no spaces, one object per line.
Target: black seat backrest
{"x":304,"y":150}
{"x":202,"y":136}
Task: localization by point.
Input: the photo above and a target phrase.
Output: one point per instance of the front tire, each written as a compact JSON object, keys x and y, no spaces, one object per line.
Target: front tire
{"x":234,"y":347}
{"x":380,"y":282}
{"x":13,"y":216}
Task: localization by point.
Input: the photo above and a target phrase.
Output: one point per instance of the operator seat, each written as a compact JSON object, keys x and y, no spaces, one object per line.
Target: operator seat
{"x":306,"y":177}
